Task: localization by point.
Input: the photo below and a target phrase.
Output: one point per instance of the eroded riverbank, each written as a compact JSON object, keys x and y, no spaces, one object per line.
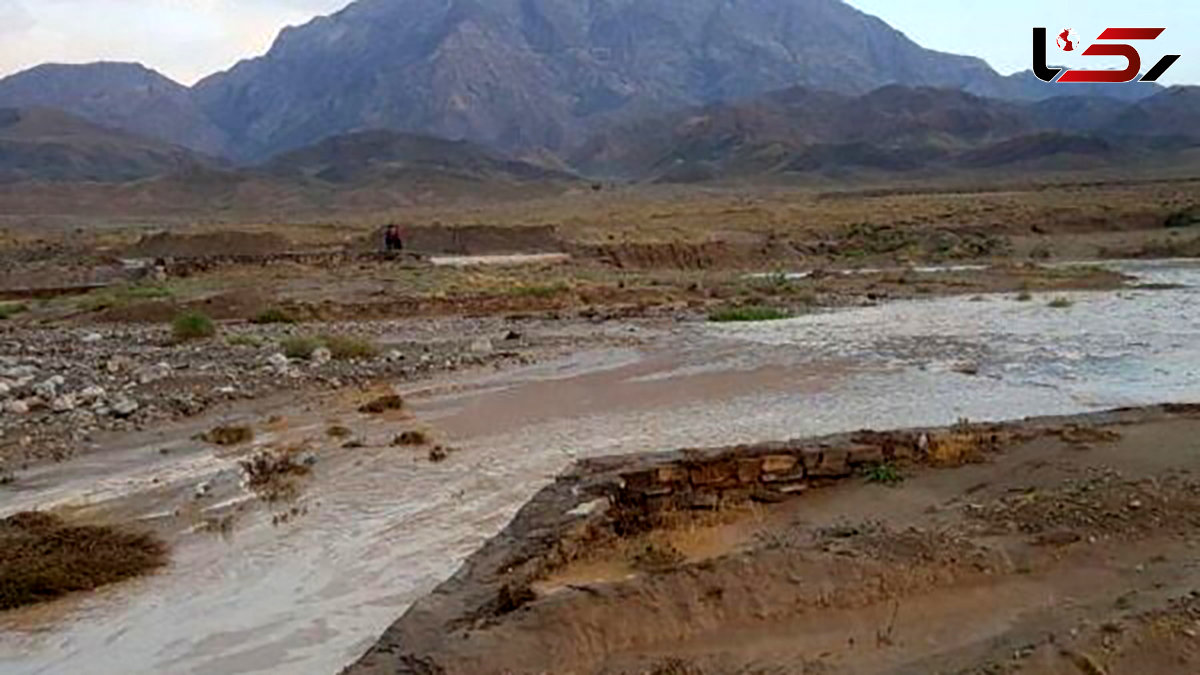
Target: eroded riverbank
{"x":379,"y":526}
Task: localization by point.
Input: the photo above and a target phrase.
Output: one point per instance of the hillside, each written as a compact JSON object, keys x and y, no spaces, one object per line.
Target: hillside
{"x":41,"y":144}
{"x":519,"y":74}
{"x":892,"y":129}
{"x":124,"y":96}
{"x":367,"y":157}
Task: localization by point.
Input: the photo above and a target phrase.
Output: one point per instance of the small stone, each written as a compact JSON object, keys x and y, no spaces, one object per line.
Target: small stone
{"x":320,"y":356}
{"x":512,"y":335}
{"x":62,"y":404}
{"x":5,"y":389}
{"x":91,"y":338}
{"x":202,"y":490}
{"x":119,"y":364}
{"x":277,"y":361}
{"x":123,"y":406}
{"x":90,"y":394}
{"x":308,"y":459}
{"x":48,"y":389}
{"x":481,"y":346}
{"x":16,"y":407}
{"x":393,"y":356}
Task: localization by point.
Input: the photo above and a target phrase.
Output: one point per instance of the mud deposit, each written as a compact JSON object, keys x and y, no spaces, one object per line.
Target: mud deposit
{"x":308,"y":583}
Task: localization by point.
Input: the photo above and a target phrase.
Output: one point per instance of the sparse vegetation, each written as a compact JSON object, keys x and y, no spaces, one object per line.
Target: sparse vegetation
{"x":271,"y":474}
{"x":273,"y":315}
{"x":1183,"y":218}
{"x":541,"y":290}
{"x":123,"y":294}
{"x":300,"y":346}
{"x":11,"y":309}
{"x":42,"y":557}
{"x":884,"y":473}
{"x":193,"y":326}
{"x":382,"y":404}
{"x":1024,"y":296}
{"x":412,"y":437}
{"x":345,"y":347}
{"x":228,"y":435}
{"x":1060,"y":303}
{"x":338,"y":431}
{"x":747,"y":313}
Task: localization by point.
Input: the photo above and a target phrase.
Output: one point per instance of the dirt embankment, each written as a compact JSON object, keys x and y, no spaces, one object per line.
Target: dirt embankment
{"x":228,"y":243}
{"x":469,"y":239}
{"x":935,"y":550}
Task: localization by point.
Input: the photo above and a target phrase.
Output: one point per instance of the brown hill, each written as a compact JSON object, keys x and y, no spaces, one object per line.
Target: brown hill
{"x":891,"y":129}
{"x":41,"y":144}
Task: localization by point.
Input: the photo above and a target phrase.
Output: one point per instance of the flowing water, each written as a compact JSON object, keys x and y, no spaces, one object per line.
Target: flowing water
{"x":380,"y":526}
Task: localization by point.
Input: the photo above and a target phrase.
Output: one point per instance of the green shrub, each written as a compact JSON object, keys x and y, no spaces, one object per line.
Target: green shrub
{"x":193,"y":326}
{"x":349,"y":347}
{"x":273,"y":315}
{"x":747,"y":313}
{"x":1060,"y":303}
{"x":541,"y":290}
{"x":885,"y":474}
{"x":300,"y":346}
{"x":9,"y":310}
{"x":1024,"y":296}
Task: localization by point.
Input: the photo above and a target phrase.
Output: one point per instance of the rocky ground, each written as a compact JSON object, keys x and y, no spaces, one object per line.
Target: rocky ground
{"x":62,"y":385}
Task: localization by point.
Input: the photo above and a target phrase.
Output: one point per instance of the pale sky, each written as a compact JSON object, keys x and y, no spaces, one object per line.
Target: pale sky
{"x":188,"y":39}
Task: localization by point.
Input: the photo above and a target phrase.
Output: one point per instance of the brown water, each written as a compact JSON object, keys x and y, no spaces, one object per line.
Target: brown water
{"x":381,"y":526}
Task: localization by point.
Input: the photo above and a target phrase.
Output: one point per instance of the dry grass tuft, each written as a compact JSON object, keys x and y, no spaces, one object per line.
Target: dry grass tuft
{"x":42,"y":557}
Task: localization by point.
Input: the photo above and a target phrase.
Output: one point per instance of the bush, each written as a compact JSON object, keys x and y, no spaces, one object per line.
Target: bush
{"x":42,"y":557}
{"x":885,"y":474}
{"x":1024,"y":296}
{"x":193,"y":326}
{"x":11,"y":309}
{"x":349,"y":347}
{"x":274,"y":315}
{"x":748,"y":313}
{"x":1060,"y":303}
{"x":300,"y":346}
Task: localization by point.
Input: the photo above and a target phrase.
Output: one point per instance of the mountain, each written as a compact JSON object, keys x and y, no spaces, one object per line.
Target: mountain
{"x":366,"y":157}
{"x":519,"y":74}
{"x":42,"y":144}
{"x":891,"y":129}
{"x":124,"y":96}
{"x":1175,"y":111}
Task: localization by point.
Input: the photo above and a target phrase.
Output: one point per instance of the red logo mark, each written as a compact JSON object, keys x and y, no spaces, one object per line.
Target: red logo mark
{"x":1067,"y":42}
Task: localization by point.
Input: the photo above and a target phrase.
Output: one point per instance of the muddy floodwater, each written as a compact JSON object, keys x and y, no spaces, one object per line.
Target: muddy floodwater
{"x":378,"y":526}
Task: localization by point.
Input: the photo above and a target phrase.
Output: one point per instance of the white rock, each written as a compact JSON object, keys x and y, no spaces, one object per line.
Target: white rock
{"x":62,"y":404}
{"x":277,"y":360}
{"x":202,"y":490}
{"x":321,"y":356}
{"x":20,"y":372}
{"x":48,"y":389}
{"x":118,"y":364}
{"x":91,"y":337}
{"x":5,"y":389}
{"x":17,"y":407}
{"x":481,"y":346}
{"x":92,"y":393}
{"x":393,"y":356}
{"x":123,"y":406}
{"x":154,"y":373}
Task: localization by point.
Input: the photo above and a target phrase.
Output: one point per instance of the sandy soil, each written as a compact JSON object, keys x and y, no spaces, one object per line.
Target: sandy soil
{"x":1068,"y":549}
